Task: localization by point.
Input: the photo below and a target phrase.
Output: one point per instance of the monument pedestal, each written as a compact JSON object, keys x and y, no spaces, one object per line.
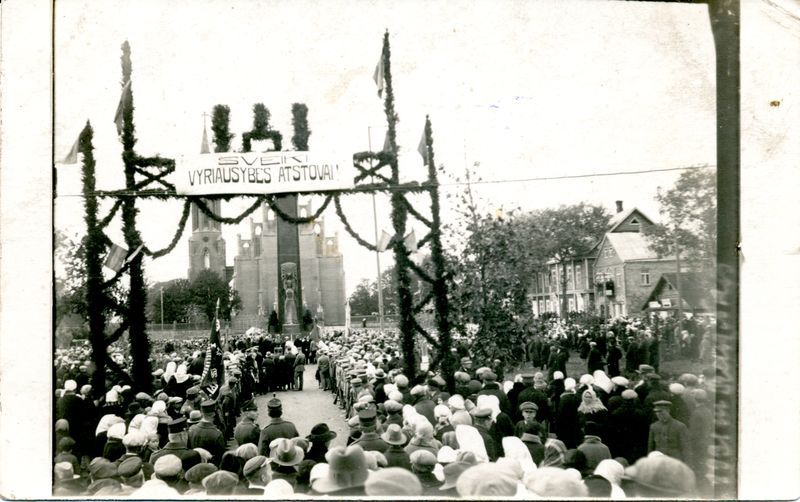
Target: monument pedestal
{"x":293,"y":330}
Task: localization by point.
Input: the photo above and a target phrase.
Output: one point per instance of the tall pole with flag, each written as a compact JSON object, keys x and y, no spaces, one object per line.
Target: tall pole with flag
{"x":137,"y":296}
{"x":377,"y":252}
{"x":213,"y":370}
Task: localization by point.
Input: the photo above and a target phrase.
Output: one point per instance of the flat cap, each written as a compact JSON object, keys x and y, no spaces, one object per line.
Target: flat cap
{"x":168,"y":465}
{"x":481,"y":412}
{"x":423,"y":457}
{"x":254,"y":464}
{"x":663,"y":403}
{"x":528,"y":406}
{"x":177,"y":425}
{"x":129,"y":467}
{"x":198,"y":472}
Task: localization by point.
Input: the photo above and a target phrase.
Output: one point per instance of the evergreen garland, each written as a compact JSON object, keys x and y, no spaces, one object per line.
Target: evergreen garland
{"x":137,"y":295}
{"x":300,"y":126}
{"x":220,"y":126}
{"x":95,"y":248}
{"x":261,"y":129}
{"x":446,"y":356}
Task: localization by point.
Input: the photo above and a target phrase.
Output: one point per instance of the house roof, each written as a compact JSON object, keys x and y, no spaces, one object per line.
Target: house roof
{"x":631,"y":246}
{"x":692,"y":290}
{"x":618,"y":218}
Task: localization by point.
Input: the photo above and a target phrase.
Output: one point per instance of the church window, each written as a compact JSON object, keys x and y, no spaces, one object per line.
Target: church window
{"x":258,"y":230}
{"x":303,"y":213}
{"x":271,"y":215}
{"x":206,"y":259}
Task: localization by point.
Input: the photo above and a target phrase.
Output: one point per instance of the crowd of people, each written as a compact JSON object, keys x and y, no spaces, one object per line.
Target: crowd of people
{"x":618,"y":429}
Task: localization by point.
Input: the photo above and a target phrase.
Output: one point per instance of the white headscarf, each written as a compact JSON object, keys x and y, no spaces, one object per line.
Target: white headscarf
{"x":469,"y":439}
{"x":516,"y":449}
{"x":489,"y":401}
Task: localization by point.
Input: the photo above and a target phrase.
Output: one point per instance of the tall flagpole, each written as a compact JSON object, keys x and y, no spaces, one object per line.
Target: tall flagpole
{"x":377,"y":252}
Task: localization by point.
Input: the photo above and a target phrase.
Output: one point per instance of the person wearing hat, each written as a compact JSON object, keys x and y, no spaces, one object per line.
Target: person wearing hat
{"x":177,"y":446}
{"x":668,"y":435}
{"x":530,"y":393}
{"x":528,"y":410}
{"x":220,"y":483}
{"x":135,"y":442}
{"x":204,"y":434}
{"x":482,"y":421}
{"x":320,"y":440}
{"x":258,"y":474}
{"x":247,"y":430}
{"x":131,"y":475}
{"x":592,"y":446}
{"x":661,"y":477}
{"x":285,"y":455}
{"x":276,"y":428}
{"x":492,"y":387}
{"x":369,"y":440}
{"x":393,"y":482}
{"x":72,"y":408}
{"x":194,"y":477}
{"x":64,"y":447}
{"x":396,"y":455}
{"x":422,"y":465}
{"x":113,"y":449}
{"x":486,"y":480}
{"x":655,"y":390}
{"x":65,"y":482}
{"x":194,"y":417}
{"x":628,"y":428}
{"x":614,"y":356}
{"x":347,"y":473}
{"x":466,"y":367}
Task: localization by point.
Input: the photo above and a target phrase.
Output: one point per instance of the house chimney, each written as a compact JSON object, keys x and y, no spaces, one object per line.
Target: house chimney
{"x":619,"y":206}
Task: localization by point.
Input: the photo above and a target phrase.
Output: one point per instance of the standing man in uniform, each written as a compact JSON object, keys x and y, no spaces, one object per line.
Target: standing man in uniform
{"x":668,"y":435}
{"x":276,"y":428}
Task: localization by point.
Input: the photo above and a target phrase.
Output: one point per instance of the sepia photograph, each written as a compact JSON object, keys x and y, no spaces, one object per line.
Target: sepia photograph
{"x":419,"y":250}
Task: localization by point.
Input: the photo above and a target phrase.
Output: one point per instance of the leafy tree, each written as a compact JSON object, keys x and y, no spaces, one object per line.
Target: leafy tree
{"x":177,"y":295}
{"x":569,"y":232}
{"x":206,"y":288}
{"x":489,"y":271}
{"x":689,"y":212}
{"x":364,"y":299}
{"x":70,"y":280}
{"x":690,"y":217}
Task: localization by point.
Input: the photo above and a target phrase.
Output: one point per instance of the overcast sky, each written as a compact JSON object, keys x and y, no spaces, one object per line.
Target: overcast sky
{"x":527,"y":89}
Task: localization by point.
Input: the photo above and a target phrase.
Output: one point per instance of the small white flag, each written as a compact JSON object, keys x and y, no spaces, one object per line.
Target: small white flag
{"x":115,"y":258}
{"x":422,"y":148}
{"x":377,"y":76}
{"x":410,"y":241}
{"x":121,"y":107}
{"x":72,"y":156}
{"x":384,"y":241}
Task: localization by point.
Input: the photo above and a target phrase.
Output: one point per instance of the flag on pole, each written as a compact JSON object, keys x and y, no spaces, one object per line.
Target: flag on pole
{"x":422,"y":148}
{"x":410,"y":241}
{"x":377,"y":76}
{"x":387,"y":145}
{"x":384,"y":241}
{"x":134,"y":254}
{"x":121,"y":107}
{"x":346,"y":319}
{"x":115,"y":258}
{"x":213,"y":359}
{"x":72,"y":156}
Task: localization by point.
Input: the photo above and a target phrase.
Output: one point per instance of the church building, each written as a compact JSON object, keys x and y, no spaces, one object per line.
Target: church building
{"x":321,"y":270}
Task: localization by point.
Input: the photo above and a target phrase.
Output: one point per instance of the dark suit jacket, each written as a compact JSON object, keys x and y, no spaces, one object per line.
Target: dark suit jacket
{"x":207,"y":436}
{"x":276,"y":428}
{"x":371,"y":441}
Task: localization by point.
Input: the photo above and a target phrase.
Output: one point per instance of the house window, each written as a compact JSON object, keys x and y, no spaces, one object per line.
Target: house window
{"x":645,"y":275}
{"x":578,"y":277}
{"x":634,"y":222}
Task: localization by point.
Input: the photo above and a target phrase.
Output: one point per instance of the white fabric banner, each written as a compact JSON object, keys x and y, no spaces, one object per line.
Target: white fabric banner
{"x":260,"y":173}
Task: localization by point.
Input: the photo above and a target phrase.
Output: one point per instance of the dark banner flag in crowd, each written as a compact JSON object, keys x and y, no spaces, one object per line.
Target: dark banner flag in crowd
{"x":213,"y":370}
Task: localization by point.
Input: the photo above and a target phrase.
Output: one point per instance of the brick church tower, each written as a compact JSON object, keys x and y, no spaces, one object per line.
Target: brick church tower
{"x":206,"y":245}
